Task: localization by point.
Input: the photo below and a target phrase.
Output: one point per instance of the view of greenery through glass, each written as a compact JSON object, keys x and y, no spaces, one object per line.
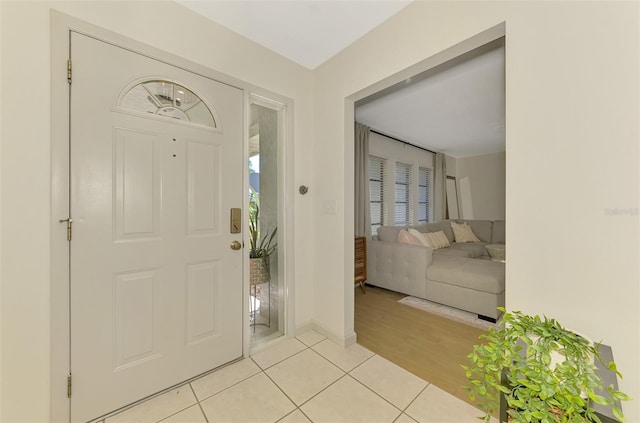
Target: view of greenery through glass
{"x":266,"y":301}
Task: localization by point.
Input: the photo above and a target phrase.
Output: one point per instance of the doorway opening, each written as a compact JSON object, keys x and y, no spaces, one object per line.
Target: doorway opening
{"x":399,"y":194}
{"x":266,"y":254}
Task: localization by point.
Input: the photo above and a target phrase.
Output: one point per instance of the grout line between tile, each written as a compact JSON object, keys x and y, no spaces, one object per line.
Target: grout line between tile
{"x":410,"y":402}
{"x":404,"y":414}
{"x":281,"y":390}
{"x":285,"y":416}
{"x":315,"y":343}
{"x":138,"y":403}
{"x":329,"y":361}
{"x":374,"y":354}
{"x":230,"y":386}
{"x":413,"y":400}
{"x":305,"y":414}
{"x":286,"y":358}
{"x":206,"y":419}
{"x":189,"y":406}
{"x":389,"y":402}
{"x":322,"y":390}
{"x":177,"y":412}
{"x":288,"y":414}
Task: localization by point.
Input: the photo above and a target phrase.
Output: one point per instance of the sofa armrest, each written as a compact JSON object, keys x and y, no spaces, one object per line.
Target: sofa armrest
{"x":498,"y":235}
{"x":398,"y":267}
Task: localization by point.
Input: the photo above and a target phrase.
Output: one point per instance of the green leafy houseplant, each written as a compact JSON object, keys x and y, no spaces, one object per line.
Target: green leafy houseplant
{"x":550,"y":372}
{"x":260,"y":245}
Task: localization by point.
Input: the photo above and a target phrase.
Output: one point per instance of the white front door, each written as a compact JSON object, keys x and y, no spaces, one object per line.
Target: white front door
{"x":156,"y":290}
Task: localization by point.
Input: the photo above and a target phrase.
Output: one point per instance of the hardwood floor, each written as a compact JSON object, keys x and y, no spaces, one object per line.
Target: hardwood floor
{"x":425,"y":344}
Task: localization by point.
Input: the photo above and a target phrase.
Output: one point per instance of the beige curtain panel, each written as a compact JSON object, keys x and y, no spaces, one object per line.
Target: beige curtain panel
{"x":440,"y":188}
{"x":362,"y":211}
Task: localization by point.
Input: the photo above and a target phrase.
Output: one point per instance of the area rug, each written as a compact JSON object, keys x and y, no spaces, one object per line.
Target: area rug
{"x":451,"y":313}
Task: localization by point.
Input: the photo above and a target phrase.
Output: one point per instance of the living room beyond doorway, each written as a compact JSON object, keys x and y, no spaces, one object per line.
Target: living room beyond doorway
{"x":441,"y":129}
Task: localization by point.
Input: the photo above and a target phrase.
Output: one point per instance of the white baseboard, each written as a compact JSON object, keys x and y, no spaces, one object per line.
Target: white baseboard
{"x":313,"y":325}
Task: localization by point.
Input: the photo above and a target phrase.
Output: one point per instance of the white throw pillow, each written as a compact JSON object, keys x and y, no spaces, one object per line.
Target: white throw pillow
{"x":405,"y":237}
{"x":437,"y":239}
{"x":433,"y":240}
{"x":463,"y":233}
{"x":444,"y":241}
{"x":421,"y":237}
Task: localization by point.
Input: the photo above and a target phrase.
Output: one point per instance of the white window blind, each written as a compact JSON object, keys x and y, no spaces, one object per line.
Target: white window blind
{"x":424,"y":188}
{"x":403,"y":194}
{"x":376,"y":192}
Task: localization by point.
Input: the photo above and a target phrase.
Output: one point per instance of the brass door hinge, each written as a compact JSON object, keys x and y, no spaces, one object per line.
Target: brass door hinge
{"x":69,"y":71}
{"x":69,"y":386}
{"x":69,"y":227}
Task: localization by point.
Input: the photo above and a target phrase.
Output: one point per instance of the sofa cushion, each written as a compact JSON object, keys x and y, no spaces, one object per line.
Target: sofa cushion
{"x":480,"y":275}
{"x":475,"y":249}
{"x":482,"y":228}
{"x":422,"y":227}
{"x":389,"y":233}
{"x":463,"y":232}
{"x":454,"y":252}
{"x":498,"y":234}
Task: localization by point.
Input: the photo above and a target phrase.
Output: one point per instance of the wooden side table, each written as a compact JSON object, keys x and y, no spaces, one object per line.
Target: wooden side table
{"x":360,"y":264}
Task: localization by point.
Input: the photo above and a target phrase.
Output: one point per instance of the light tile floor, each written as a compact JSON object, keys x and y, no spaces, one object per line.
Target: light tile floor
{"x":305,"y":379}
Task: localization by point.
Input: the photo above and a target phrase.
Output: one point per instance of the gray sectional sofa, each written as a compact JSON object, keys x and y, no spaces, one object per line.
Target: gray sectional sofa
{"x":461,"y":276}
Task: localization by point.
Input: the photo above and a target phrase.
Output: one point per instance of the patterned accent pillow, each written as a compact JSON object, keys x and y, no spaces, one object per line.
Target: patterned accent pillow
{"x":463,"y":233}
{"x":437,"y":239}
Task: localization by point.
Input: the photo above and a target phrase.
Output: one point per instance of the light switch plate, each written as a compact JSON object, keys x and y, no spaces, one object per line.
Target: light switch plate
{"x":330,"y":207}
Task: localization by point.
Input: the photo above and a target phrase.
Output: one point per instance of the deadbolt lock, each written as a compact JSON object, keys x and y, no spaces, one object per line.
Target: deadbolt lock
{"x":235,"y":221}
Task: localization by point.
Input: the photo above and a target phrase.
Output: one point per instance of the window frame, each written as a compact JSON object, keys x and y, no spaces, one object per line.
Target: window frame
{"x":383,"y":163}
{"x":404,"y":188}
{"x":427,"y":196}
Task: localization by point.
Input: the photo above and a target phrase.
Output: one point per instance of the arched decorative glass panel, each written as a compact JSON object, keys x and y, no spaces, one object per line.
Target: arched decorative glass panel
{"x":166,"y":98}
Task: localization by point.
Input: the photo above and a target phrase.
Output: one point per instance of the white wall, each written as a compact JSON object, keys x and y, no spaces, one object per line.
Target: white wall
{"x":451,"y":163}
{"x":486,"y":178}
{"x":572,"y":112}
{"x":25,"y":335}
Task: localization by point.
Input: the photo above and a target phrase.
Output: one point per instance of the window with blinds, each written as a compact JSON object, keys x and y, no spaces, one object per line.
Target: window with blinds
{"x":376,"y":192}
{"x":424,"y":184}
{"x":402,"y":194}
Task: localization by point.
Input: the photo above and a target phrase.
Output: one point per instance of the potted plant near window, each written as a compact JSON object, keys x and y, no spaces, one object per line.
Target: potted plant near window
{"x":261,"y":246}
{"x":545,"y":372}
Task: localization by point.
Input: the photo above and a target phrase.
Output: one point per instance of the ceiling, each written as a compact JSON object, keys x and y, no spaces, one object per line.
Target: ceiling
{"x":308,"y":32}
{"x":457,"y":108}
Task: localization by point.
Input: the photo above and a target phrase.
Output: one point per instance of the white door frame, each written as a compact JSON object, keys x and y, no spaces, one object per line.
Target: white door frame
{"x":61,"y":25}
